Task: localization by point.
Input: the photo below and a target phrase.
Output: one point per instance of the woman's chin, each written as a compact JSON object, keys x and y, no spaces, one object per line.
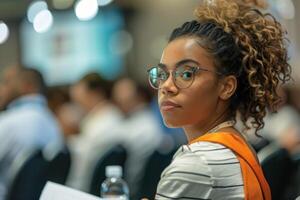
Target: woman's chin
{"x":172,"y":124}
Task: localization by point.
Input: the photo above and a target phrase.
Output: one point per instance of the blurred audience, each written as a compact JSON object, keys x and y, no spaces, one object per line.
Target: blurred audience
{"x":279,"y":125}
{"x":2,"y":101}
{"x":69,"y":116}
{"x":27,"y":122}
{"x":280,"y":146}
{"x":97,"y":135}
{"x":294,"y":96}
{"x":68,"y":113}
{"x":57,"y":96}
{"x":140,"y":130}
{"x":283,"y":127}
{"x":7,"y":86}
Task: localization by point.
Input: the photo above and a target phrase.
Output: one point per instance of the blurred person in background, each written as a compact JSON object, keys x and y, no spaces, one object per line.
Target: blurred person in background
{"x":140,"y":130}
{"x":57,"y":96}
{"x":294,"y":96}
{"x":96,"y":137}
{"x":279,"y":147}
{"x":69,"y":114}
{"x":282,"y":131}
{"x":283,"y":127}
{"x":7,"y":89}
{"x":279,"y":127}
{"x":230,"y":59}
{"x":27,"y":123}
{"x":2,"y":101}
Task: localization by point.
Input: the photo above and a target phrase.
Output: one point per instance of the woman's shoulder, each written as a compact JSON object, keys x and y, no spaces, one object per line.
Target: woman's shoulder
{"x":197,"y":161}
{"x":214,"y":151}
{"x":186,"y":177}
{"x":188,"y":159}
{"x":210,"y":168}
{"x":219,"y":159}
{"x":205,"y":146}
{"x":205,"y":157}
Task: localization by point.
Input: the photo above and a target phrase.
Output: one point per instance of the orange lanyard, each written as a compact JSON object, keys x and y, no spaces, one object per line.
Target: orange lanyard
{"x":255,"y":184}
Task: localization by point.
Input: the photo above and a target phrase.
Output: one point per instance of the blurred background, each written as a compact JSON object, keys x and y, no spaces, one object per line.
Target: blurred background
{"x":93,"y":56}
{"x":112,"y":37}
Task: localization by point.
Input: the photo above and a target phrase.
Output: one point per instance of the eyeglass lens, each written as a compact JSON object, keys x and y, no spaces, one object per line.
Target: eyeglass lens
{"x":183,"y":76}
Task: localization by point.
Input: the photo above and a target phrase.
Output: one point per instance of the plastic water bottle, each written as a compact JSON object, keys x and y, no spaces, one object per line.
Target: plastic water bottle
{"x":114,"y":187}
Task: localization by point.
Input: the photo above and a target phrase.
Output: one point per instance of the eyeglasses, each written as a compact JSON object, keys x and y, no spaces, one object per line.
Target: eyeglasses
{"x":182,"y":76}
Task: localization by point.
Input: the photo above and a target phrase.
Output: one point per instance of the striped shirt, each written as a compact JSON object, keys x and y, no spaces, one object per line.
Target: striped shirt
{"x":202,"y":170}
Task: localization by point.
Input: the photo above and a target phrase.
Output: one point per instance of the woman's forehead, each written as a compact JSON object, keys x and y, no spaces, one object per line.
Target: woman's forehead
{"x":185,"y":48}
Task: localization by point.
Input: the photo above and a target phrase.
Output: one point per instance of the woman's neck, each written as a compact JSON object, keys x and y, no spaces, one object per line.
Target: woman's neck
{"x":194,"y":131}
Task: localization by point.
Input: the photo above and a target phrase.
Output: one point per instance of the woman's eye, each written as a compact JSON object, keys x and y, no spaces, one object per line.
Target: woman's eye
{"x":187,"y":75}
{"x":162,"y":75}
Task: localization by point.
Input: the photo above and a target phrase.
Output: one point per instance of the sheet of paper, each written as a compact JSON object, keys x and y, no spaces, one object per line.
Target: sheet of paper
{"x":54,"y":191}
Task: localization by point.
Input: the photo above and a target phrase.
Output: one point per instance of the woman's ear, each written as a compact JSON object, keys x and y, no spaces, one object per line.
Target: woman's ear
{"x":228,"y":87}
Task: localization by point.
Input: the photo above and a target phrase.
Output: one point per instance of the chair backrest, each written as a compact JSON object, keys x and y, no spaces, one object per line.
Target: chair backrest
{"x":59,"y":167}
{"x":278,"y":169}
{"x":155,"y":165}
{"x":293,"y":189}
{"x":116,"y":156}
{"x":28,"y":177}
{"x":31,"y":175}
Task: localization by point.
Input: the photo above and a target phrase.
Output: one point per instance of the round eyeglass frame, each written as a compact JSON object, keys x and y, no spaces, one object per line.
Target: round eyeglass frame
{"x":173,"y":72}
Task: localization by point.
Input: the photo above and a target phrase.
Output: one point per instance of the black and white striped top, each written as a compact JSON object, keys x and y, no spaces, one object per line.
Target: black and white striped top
{"x":202,"y":170}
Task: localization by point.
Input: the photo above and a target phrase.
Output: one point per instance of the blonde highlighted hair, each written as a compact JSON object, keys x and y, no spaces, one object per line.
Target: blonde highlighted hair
{"x":247,"y":43}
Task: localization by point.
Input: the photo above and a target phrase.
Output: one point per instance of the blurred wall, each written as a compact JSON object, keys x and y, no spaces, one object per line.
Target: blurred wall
{"x":151,"y":25}
{"x":10,"y":51}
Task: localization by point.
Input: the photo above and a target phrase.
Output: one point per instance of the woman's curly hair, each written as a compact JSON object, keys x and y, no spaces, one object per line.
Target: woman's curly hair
{"x":245,"y":43}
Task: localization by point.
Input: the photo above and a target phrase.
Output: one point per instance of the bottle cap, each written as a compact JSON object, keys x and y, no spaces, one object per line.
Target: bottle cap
{"x":113,"y":171}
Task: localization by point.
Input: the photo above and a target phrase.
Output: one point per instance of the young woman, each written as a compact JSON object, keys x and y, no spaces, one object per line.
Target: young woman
{"x":231,"y":59}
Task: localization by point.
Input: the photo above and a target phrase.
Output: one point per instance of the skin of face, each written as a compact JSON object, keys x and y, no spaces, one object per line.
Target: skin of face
{"x":9,"y":86}
{"x":80,"y":95}
{"x":198,"y":105}
{"x":125,"y":95}
{"x":2,"y":100}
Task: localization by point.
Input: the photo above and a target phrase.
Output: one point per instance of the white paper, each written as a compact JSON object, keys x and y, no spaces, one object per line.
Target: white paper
{"x":54,"y":191}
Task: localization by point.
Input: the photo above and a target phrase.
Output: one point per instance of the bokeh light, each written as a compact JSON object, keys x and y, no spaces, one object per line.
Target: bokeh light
{"x":4,"y":32}
{"x":86,"y":9}
{"x":286,"y":9}
{"x":43,"y":21}
{"x":104,"y":2}
{"x":121,"y":42}
{"x":34,"y":8}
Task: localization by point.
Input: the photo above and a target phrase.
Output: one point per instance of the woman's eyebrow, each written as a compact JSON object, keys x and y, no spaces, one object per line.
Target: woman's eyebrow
{"x":179,"y":63}
{"x":162,"y":65}
{"x":186,"y":61}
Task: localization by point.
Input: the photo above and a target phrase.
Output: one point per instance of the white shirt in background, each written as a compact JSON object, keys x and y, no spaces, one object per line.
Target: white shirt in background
{"x":27,"y":123}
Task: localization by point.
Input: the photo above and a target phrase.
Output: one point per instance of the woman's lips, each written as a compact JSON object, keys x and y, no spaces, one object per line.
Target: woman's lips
{"x":168,"y":106}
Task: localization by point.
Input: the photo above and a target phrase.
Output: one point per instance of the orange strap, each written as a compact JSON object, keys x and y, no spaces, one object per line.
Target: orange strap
{"x":255,"y":184}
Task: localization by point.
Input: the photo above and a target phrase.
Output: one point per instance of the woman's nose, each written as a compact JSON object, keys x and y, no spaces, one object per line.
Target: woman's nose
{"x":168,"y":86}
